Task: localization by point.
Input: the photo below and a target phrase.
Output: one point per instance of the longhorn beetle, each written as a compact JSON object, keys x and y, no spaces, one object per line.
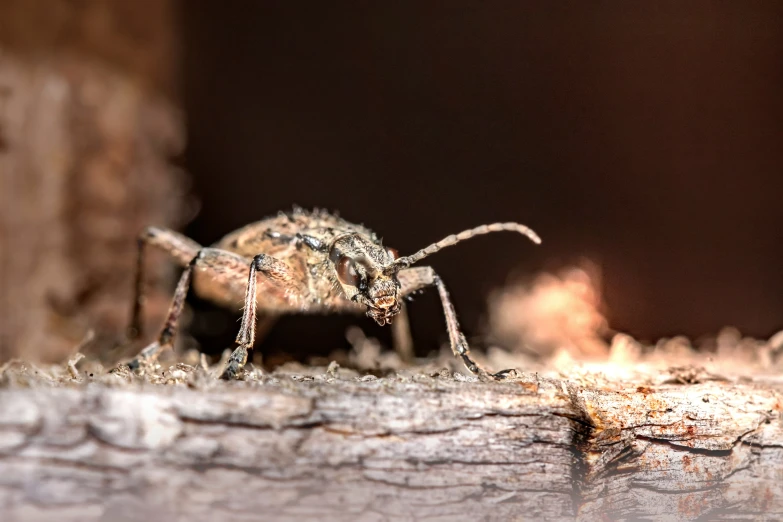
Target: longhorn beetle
{"x":302,"y":262}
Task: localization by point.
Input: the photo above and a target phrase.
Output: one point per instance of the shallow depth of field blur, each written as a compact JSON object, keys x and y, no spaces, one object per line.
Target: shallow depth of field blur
{"x":640,"y":140}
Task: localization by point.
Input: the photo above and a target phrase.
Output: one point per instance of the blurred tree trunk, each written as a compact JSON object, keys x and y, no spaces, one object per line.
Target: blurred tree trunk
{"x":89,"y":128}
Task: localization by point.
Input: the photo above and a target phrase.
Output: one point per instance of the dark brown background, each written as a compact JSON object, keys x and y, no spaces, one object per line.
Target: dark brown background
{"x":645,"y":136}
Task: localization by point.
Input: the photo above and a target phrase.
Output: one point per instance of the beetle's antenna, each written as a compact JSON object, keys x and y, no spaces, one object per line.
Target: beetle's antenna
{"x":466,"y":234}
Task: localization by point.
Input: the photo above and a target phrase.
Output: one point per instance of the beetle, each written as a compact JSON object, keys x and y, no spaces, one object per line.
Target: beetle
{"x":302,"y":261}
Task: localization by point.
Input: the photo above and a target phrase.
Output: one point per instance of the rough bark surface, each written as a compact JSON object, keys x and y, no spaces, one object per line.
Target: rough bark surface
{"x":329,"y":446}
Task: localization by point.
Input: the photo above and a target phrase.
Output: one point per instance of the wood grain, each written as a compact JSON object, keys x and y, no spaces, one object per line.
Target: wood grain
{"x":411,"y":446}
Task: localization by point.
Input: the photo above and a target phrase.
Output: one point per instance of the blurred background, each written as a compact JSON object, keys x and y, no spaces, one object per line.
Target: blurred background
{"x":639,"y":139}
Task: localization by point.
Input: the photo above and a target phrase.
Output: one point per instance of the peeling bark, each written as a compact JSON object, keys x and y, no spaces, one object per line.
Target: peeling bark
{"x":701,"y":451}
{"x":331,"y":447}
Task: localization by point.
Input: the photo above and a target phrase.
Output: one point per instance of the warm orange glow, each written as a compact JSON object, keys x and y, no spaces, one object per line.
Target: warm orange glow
{"x":553,"y":313}
{"x":554,"y":323}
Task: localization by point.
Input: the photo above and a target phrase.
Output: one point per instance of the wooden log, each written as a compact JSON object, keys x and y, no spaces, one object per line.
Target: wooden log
{"x":328,"y":445}
{"x":682,"y":452}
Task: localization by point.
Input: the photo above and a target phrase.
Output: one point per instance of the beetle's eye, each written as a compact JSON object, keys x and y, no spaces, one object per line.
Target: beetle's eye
{"x":334,"y":256}
{"x":346,"y":271}
{"x":393,"y":253}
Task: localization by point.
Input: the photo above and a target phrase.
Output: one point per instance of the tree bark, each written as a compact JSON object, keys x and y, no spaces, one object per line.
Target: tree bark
{"x":89,"y":127}
{"x":407,"y":447}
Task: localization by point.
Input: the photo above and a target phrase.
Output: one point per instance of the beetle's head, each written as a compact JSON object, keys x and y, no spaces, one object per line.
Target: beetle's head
{"x":368,"y":271}
{"x":368,"y":275}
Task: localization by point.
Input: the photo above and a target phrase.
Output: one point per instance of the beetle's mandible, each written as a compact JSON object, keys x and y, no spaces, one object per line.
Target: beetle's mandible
{"x":302,"y":262}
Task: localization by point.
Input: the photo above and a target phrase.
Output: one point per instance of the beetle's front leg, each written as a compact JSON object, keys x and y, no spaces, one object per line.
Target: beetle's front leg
{"x":280,"y":274}
{"x":413,"y":279}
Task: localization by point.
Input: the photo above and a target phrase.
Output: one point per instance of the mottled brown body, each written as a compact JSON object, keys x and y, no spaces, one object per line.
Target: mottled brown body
{"x":278,"y":237}
{"x":302,"y":262}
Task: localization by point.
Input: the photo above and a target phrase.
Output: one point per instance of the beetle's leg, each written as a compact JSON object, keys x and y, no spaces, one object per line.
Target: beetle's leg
{"x":166,"y":337}
{"x":281,"y":275}
{"x":179,"y":247}
{"x":401,"y":334}
{"x":413,"y":279}
{"x":222,"y":265}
